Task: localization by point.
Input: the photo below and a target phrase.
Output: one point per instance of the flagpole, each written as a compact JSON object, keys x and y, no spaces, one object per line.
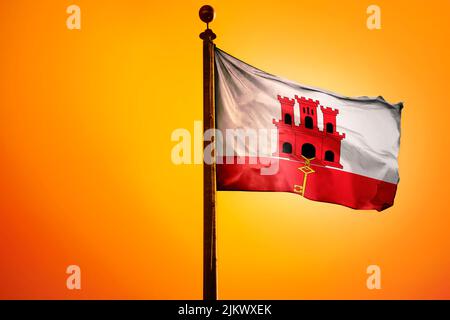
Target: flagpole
{"x":206,"y":14}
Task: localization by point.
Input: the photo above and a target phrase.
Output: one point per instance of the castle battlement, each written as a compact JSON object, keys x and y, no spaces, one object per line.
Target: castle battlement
{"x":329,"y":110}
{"x":310,"y":102}
{"x":286,"y":101}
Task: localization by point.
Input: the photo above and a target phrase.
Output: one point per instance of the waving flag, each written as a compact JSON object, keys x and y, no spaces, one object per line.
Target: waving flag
{"x":277,"y":135}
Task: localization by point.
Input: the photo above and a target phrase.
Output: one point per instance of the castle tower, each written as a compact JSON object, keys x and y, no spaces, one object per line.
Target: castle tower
{"x":287,"y":110}
{"x":331,"y":147}
{"x":329,"y":120}
{"x":308,"y":112}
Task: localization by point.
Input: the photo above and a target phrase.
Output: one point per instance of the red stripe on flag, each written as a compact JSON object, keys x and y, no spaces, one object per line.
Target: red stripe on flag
{"x":325,"y":184}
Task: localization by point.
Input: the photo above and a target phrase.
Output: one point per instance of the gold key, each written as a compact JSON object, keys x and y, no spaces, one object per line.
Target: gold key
{"x":306,"y":169}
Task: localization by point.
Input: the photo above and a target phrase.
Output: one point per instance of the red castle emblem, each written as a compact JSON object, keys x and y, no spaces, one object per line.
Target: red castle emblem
{"x":306,"y":140}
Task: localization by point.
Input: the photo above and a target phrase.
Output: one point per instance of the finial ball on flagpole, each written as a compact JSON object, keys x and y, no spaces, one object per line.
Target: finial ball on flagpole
{"x":207,"y":13}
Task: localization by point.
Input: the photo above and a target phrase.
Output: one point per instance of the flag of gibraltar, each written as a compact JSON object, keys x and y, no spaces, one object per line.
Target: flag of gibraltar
{"x":277,"y":135}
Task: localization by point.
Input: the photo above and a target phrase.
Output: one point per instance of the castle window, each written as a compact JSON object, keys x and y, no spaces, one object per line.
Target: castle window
{"x":308,"y":151}
{"x":312,"y":111}
{"x":287,"y":118}
{"x":329,"y":127}
{"x":309,"y":124}
{"x":304,"y":111}
{"x":329,"y":156}
{"x":287,"y":147}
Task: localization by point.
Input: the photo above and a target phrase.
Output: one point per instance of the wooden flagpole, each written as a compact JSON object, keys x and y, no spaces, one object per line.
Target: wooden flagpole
{"x":206,"y":14}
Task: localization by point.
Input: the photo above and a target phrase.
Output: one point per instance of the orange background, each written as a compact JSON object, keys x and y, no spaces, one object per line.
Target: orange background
{"x":86,"y":176}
